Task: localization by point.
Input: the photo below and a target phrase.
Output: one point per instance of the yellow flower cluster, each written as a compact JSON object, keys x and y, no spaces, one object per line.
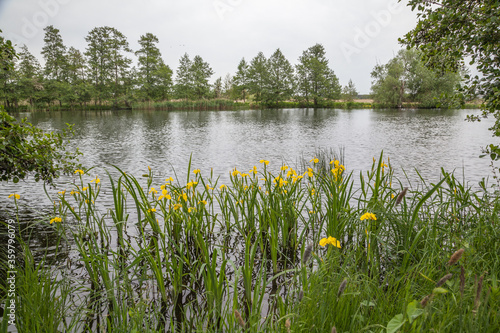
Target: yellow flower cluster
{"x":191,"y":184}
{"x":81,"y":172}
{"x":309,"y":172}
{"x":164,"y":195}
{"x":56,"y":219}
{"x":264,"y":161}
{"x":368,"y":216}
{"x":279,"y":181}
{"x":315,"y":160}
{"x":330,"y":240}
{"x":15,"y":195}
{"x":338,"y":169}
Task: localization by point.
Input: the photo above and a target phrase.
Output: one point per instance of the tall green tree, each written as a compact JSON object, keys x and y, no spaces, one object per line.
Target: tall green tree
{"x":449,"y":32}
{"x":228,"y":86}
{"x":107,"y":63}
{"x":405,"y":79}
{"x":200,"y":74}
{"x":154,"y":77}
{"x":316,"y":80}
{"x":217,"y":88}
{"x":258,"y":78}
{"x":163,"y":82}
{"x":241,"y":80}
{"x":8,"y":58}
{"x":349,"y":92}
{"x":29,"y":76}
{"x":281,"y":78}
{"x":55,"y":70}
{"x":80,"y":89}
{"x":183,"y":87}
{"x":54,"y":54}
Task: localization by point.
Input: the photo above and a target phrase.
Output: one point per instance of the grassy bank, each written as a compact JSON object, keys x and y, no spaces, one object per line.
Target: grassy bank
{"x":281,"y":251}
{"x":223,"y":105}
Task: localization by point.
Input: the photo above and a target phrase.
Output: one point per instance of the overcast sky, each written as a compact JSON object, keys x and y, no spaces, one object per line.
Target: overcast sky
{"x":357,"y":34}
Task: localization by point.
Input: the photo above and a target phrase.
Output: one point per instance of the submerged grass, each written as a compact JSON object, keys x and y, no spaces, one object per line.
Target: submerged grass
{"x":275,"y":249}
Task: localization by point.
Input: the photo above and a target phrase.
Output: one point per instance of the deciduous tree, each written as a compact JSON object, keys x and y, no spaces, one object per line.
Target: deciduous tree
{"x":449,"y":33}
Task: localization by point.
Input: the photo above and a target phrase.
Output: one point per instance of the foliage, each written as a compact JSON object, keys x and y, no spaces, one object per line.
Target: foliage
{"x":154,"y":77}
{"x":316,"y":80}
{"x":258,"y":77}
{"x":405,"y":79}
{"x":449,"y":33}
{"x":183,"y":78}
{"x":192,"y":78}
{"x":108,"y":66}
{"x":241,"y":80}
{"x":54,"y":53}
{"x":200,"y":74}
{"x":26,"y":149}
{"x":281,"y":78}
{"x":274,"y":249}
{"x":349,"y":92}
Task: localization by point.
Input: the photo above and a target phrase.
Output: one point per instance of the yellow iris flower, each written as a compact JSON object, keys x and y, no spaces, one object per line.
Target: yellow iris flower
{"x":330,"y":240}
{"x":368,"y":216}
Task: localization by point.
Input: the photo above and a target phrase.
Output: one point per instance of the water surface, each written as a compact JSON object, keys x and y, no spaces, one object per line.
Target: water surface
{"x":222,"y":140}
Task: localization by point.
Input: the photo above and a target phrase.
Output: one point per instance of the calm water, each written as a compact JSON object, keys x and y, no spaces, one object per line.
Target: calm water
{"x":422,"y":139}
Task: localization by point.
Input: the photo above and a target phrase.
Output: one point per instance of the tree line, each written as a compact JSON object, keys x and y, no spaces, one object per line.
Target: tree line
{"x":104,"y":74}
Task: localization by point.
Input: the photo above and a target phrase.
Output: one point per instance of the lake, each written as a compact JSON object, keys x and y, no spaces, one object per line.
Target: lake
{"x":222,"y":140}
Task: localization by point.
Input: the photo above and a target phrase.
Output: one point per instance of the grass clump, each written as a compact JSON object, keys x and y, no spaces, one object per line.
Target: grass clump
{"x":279,"y":249}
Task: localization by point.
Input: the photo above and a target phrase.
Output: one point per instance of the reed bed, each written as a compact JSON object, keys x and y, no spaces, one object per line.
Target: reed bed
{"x":274,"y":249}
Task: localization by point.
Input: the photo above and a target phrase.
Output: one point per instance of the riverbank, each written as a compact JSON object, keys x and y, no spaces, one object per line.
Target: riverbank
{"x":292,"y":251}
{"x":223,"y":105}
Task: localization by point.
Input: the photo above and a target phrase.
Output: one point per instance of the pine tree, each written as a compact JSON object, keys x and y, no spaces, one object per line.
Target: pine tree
{"x":241,"y":80}
{"x":258,"y":78}
{"x":200,"y":74}
{"x":183,"y":78}
{"x":316,"y":80}
{"x":281,"y":78}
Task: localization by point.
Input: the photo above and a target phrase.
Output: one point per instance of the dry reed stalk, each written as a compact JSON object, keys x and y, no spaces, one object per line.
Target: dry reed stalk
{"x":307,"y":254}
{"x":239,"y":318}
{"x":443,"y":280}
{"x":287,"y":325}
{"x":455,"y":257}
{"x":462,"y":281}
{"x":478,"y":292}
{"x":301,"y":295}
{"x":334,"y":330}
{"x":426,"y":300}
{"x":401,"y":196}
{"x":342,"y":287}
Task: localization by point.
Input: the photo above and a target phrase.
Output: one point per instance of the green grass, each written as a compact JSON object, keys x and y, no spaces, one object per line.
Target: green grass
{"x":188,"y":254}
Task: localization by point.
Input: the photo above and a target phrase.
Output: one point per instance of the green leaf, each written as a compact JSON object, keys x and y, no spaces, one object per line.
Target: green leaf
{"x":439,"y":290}
{"x":413,"y":311}
{"x":367,"y":303}
{"x":395,"y":323}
